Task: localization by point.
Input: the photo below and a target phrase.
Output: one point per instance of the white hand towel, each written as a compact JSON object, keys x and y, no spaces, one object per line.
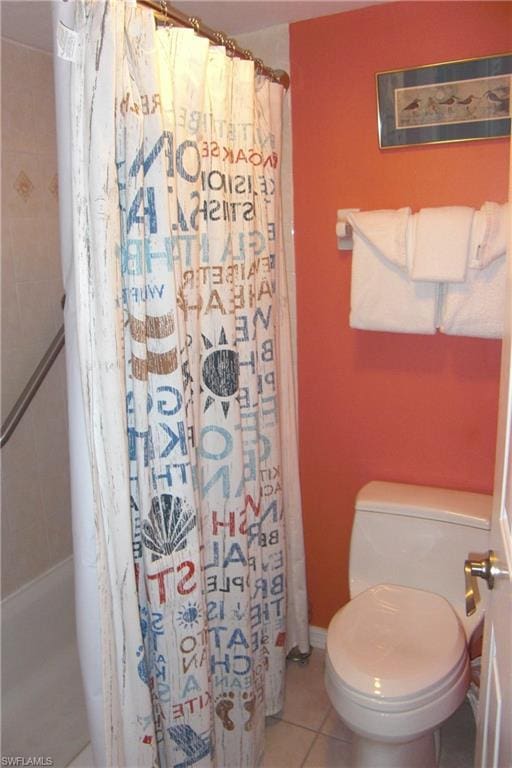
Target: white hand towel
{"x":441,"y":248}
{"x":477,"y":306}
{"x":382,"y":297}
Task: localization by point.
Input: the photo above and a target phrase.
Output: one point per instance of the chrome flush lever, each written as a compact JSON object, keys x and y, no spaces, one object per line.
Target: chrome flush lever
{"x":482,"y":567}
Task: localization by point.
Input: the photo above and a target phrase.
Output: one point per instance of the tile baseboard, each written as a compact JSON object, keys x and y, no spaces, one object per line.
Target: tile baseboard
{"x":317,"y":637}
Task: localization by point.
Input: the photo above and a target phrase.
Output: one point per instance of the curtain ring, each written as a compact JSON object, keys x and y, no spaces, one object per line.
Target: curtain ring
{"x":220,"y":38}
{"x":231,"y":46}
{"x":195,"y":23}
{"x":247,"y":54}
{"x":165,"y":13}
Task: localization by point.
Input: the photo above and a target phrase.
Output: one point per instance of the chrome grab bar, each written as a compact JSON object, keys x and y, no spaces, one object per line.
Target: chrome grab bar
{"x":35,"y":381}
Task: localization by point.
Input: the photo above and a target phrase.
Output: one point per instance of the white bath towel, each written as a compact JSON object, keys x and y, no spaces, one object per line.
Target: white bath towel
{"x":382,"y":297}
{"x":441,"y":248}
{"x":489,"y":234}
{"x":386,"y":231}
{"x":479,"y":230}
{"x":477,"y":306}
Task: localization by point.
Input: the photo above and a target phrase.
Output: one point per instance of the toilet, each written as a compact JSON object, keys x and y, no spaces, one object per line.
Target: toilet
{"x":397,"y":664}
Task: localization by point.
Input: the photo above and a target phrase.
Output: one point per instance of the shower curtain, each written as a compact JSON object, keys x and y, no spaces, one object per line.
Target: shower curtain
{"x":184,"y":348}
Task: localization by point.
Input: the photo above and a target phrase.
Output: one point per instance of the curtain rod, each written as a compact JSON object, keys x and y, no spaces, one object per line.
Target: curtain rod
{"x":166,"y":13}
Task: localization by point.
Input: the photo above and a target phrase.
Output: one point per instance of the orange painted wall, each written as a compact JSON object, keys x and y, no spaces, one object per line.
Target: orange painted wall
{"x":410,"y":408}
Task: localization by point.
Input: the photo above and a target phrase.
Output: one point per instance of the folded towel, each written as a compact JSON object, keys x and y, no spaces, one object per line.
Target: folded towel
{"x":382,"y":297}
{"x":479,"y":233}
{"x":386,"y":231}
{"x":489,"y":234}
{"x":477,"y":306}
{"x":441,"y":247}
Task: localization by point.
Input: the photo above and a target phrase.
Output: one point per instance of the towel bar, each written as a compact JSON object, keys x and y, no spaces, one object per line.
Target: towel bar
{"x":344,"y":229}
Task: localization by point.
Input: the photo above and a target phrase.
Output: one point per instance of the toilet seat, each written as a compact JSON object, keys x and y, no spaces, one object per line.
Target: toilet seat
{"x":394,"y":648}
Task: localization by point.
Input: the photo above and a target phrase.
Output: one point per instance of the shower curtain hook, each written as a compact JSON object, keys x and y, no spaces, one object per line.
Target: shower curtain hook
{"x":165,"y":11}
{"x":220,"y":38}
{"x":195,"y":23}
{"x":231,"y":47}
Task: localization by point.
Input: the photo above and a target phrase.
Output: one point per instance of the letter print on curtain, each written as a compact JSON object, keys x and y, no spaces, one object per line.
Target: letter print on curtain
{"x":180,"y":277}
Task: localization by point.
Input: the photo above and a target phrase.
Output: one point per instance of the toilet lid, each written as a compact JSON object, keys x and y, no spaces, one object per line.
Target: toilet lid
{"x":391,"y":642}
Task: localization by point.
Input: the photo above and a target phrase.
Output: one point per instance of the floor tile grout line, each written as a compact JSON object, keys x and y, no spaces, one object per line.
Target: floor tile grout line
{"x":299,"y":725}
{"x":324,"y":720}
{"x":310,"y":749}
{"x":318,"y":730}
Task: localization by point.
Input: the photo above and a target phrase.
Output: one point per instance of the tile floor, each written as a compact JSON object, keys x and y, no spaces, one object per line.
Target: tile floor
{"x":308,"y":734}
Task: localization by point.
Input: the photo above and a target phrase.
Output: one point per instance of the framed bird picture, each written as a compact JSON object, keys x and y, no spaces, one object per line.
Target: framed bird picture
{"x":454,"y":101}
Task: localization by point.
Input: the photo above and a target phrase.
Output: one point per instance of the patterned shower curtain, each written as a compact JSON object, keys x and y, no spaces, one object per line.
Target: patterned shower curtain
{"x":186,"y":371}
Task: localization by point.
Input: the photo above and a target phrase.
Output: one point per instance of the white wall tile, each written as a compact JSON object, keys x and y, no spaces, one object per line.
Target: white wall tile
{"x":36,"y":523}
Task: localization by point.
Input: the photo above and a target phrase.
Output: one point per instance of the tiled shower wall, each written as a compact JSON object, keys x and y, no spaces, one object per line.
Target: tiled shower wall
{"x":36,"y":528}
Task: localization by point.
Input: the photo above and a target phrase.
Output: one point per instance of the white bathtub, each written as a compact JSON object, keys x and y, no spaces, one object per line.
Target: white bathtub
{"x":43,"y":709}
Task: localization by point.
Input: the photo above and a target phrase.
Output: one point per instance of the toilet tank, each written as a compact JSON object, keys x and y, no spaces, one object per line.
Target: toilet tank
{"x":418,"y":536}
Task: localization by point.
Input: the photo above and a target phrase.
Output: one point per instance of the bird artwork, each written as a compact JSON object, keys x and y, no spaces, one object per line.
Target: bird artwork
{"x":412,"y":106}
{"x":452,"y":102}
{"x":432,"y":105}
{"x":469,"y":105}
{"x":467,"y":101}
{"x":500,"y":102}
{"x":449,"y":102}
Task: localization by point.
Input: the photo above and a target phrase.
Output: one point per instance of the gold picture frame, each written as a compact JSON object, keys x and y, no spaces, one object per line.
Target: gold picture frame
{"x":453,"y":101}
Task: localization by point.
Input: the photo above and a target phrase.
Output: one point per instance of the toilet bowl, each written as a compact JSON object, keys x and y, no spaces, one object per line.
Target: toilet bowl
{"x":397,"y":664}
